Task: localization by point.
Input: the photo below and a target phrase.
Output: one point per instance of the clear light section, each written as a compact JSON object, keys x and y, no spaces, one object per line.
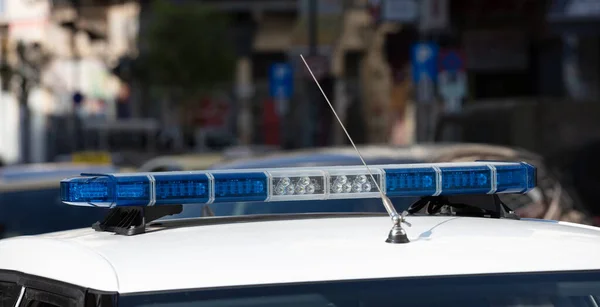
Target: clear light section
{"x":106,"y":192}
{"x":466,"y":180}
{"x":515,"y":178}
{"x":178,"y":188}
{"x":297,"y":185}
{"x":416,"y":181}
{"x":230,"y":187}
{"x":353,"y":183}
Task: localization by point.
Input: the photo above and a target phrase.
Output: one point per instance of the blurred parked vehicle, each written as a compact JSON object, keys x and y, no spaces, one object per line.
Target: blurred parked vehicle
{"x":30,"y":199}
{"x":93,"y":157}
{"x":551,"y":199}
{"x":565,"y":134}
{"x":122,"y":159}
{"x":201,"y":161}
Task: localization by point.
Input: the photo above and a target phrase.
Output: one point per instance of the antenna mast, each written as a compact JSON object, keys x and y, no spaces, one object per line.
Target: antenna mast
{"x":397,"y":234}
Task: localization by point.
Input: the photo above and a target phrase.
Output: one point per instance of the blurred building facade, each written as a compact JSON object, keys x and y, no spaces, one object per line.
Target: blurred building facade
{"x":21,"y":21}
{"x":82,"y":45}
{"x":513,"y":49}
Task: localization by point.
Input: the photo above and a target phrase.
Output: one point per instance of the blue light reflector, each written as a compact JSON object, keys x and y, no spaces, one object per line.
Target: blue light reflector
{"x":466,"y":180}
{"x":231,"y":187}
{"x":106,"y":191}
{"x":181,"y":188}
{"x":410,"y":181}
{"x":515,"y":178}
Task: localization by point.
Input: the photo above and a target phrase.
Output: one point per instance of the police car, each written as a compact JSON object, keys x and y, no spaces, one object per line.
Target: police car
{"x":457,"y":245}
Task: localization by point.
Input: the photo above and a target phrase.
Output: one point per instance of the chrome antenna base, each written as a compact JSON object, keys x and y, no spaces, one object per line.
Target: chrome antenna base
{"x":397,"y":234}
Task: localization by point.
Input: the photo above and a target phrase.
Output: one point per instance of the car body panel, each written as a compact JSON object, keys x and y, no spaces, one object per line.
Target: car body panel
{"x":300,"y":250}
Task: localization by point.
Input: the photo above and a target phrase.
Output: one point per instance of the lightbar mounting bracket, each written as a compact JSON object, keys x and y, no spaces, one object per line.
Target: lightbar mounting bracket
{"x":129,"y":221}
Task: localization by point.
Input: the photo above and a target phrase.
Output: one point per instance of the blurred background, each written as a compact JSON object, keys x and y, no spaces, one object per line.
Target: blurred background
{"x":125,"y":82}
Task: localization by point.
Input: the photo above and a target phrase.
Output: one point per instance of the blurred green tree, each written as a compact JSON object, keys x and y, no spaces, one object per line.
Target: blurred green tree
{"x":185,"y":51}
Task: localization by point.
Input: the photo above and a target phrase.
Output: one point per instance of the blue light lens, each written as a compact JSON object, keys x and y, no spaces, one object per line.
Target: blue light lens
{"x":184,"y":188}
{"x":86,"y":190}
{"x":466,"y":180}
{"x":410,"y":181}
{"x":240,"y":187}
{"x":515,"y":178}
{"x":100,"y":191}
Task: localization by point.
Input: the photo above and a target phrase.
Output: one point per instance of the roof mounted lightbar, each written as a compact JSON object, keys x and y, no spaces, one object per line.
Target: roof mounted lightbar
{"x":292,"y":184}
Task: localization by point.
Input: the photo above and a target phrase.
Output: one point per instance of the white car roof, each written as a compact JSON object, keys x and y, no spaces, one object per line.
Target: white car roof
{"x":300,"y":250}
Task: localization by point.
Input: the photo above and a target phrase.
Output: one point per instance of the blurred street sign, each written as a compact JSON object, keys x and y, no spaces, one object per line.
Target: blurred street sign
{"x":451,"y":60}
{"x":452,"y":77}
{"x":281,"y":81}
{"x":453,"y":88}
{"x":424,"y":69}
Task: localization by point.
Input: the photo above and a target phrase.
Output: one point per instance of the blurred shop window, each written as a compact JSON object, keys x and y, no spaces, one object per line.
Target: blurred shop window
{"x":502,"y":85}
{"x":550,"y":68}
{"x":500,"y":63}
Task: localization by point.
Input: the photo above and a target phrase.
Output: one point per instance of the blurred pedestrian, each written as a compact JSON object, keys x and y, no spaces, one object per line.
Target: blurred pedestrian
{"x":401,"y":108}
{"x":123,"y":102}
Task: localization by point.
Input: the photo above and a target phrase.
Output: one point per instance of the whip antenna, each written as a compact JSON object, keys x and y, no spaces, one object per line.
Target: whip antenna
{"x":397,"y":234}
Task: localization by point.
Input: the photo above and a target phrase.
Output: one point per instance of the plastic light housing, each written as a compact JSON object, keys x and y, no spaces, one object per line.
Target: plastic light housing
{"x":181,"y":188}
{"x":355,"y":182}
{"x":107,"y":190}
{"x":466,"y":179}
{"x":244,"y":186}
{"x":297,"y":185}
{"x":302,"y":183}
{"x":411,"y":180}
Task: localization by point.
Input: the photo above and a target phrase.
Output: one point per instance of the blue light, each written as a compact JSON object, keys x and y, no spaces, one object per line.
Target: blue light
{"x":182,"y":188}
{"x":466,"y":180}
{"x":515,"y":178}
{"x":290,"y":184}
{"x":240,"y":187}
{"x":410,"y":181}
{"x":107,"y":191}
{"x":84,"y":190}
